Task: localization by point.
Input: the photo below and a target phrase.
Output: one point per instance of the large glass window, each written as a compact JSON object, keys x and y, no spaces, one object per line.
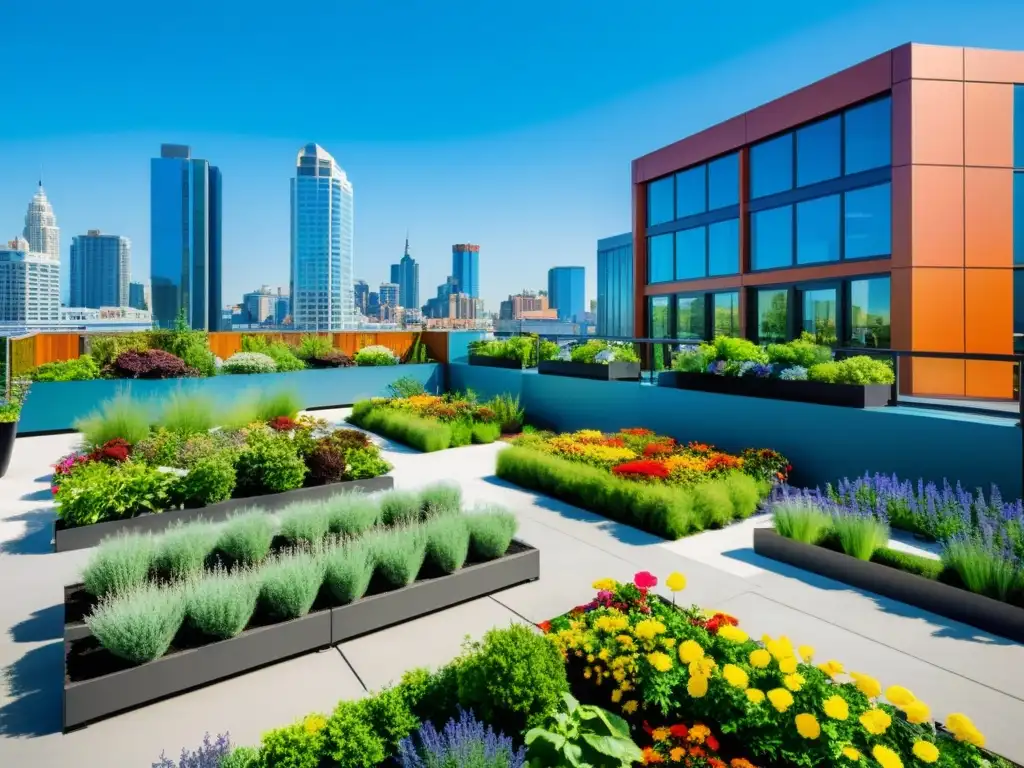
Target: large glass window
{"x":691,"y":253}
{"x":726,"y":309}
{"x":869,"y":313}
{"x":690,"y":318}
{"x":868,"y":136}
{"x":1018,"y":309}
{"x":724,"y":182}
{"x":1018,"y":218}
{"x":772,"y":315}
{"x":819,"y":314}
{"x":691,"y":194}
{"x":659,"y":317}
{"x":819,"y":151}
{"x":771,"y":166}
{"x":724,"y":247}
{"x":1018,"y":126}
{"x":868,"y":217}
{"x":771,"y":238}
{"x":817,"y":230}
{"x":660,"y":201}
{"x":659,"y":258}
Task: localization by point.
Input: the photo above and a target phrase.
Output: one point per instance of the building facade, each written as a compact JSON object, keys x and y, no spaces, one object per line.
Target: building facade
{"x":361,"y":294}
{"x":567,"y":292}
{"x":388,"y":294}
{"x":526,"y":305}
{"x":406,"y":275}
{"x":100,"y":271}
{"x":322,"y":283}
{"x":874,"y":208}
{"x":185,"y":239}
{"x":466,"y":268}
{"x":29,"y":286}
{"x":137,"y":296}
{"x":615,"y":286}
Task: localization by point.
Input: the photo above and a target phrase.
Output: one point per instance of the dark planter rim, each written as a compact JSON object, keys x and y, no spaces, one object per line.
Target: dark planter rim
{"x":489,"y":361}
{"x":616,"y":370}
{"x":815,"y":392}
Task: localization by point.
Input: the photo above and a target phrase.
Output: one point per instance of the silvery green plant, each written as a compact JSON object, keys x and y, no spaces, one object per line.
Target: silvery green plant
{"x":348,"y":571}
{"x":352,"y":514}
{"x":306,"y":522}
{"x":118,"y":564}
{"x":398,"y":554}
{"x":139,"y":626}
{"x":399,"y":508}
{"x":447,"y":542}
{"x":290,"y":582}
{"x":182,"y":551}
{"x":491,"y":529}
{"x":247,"y":537}
{"x":441,"y":499}
{"x":221,"y":603}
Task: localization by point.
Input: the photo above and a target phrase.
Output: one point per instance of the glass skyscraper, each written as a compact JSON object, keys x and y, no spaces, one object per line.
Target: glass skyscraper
{"x":406,"y":275}
{"x":466,"y":268}
{"x":322,"y":285}
{"x":100,"y":270}
{"x":567,"y":293}
{"x":185,"y":238}
{"x":615,"y":286}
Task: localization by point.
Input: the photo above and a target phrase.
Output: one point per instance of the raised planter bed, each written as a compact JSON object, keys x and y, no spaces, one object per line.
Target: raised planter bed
{"x":845,"y":395}
{"x":993,"y":616}
{"x":91,"y":698}
{"x":85,"y":536}
{"x":495,"y":362}
{"x":613,"y":371}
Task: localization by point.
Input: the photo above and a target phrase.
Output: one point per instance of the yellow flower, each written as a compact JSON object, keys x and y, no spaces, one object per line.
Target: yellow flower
{"x":836,"y":707}
{"x":851,"y":753}
{"x":605,"y":585}
{"x":630,"y":706}
{"x":626,"y":686}
{"x":807,"y":726}
{"x":662,"y":662}
{"x":735,"y":676}
{"x":918,"y":713}
{"x":899,"y":696}
{"x":676,"y":582}
{"x":754,"y":696}
{"x":886,"y":757}
{"x":690,"y":651}
{"x":603,"y":654}
{"x":660,"y":734}
{"x":697,"y":686}
{"x":702,"y":667}
{"x":699,"y":733}
{"x":587,"y":673}
{"x":964,"y":730}
{"x":832,"y":668}
{"x":733,"y":634}
{"x":648,"y":629}
{"x":616,"y":696}
{"x":866,"y":684}
{"x":925,"y":751}
{"x":787,"y":665}
{"x":626,"y":642}
{"x":793,"y":682}
{"x":619,"y":675}
{"x":760,"y":658}
{"x":590,"y":658}
{"x":876,"y":721}
{"x":677,"y":754}
{"x":780,"y":698}
{"x":806,"y":653}
{"x":314,"y":724}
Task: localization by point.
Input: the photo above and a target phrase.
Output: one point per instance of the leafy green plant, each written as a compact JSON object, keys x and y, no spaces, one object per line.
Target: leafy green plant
{"x":860,"y":370}
{"x":83,"y":368}
{"x":284,"y":357}
{"x":399,"y":508}
{"x":352,"y":514}
{"x":305,"y":523}
{"x":289,"y":584}
{"x":210,"y":479}
{"x":598,"y":351}
{"x":390,"y":717}
{"x":181,"y":552}
{"x":311,"y":347}
{"x":365,"y":463}
{"x":508,"y":412}
{"x":447,"y":542}
{"x":581,"y":735}
{"x":352,"y":741}
{"x":432,"y":696}
{"x":982,"y":568}
{"x":138,"y":626}
{"x":462,"y":432}
{"x":187,"y":414}
{"x":405,"y":386}
{"x":491,"y":530}
{"x":929,"y":567}
{"x":121,"y":416}
{"x":119,"y":564}
{"x":241,"y":757}
{"x":283,"y":402}
{"x":348,"y":571}
{"x":299,"y":745}
{"x":375,"y":354}
{"x":249,"y":362}
{"x":803,"y":352}
{"x":161,"y":448}
{"x":800,"y":520}
{"x":486,"y":433}
{"x":398,"y":554}
{"x":106,"y":349}
{"x":247,"y":537}
{"x":860,"y":536}
{"x":440,"y":499}
{"x":10,"y":406}
{"x":269,"y":463}
{"x":221,"y":604}
{"x":98,"y":491}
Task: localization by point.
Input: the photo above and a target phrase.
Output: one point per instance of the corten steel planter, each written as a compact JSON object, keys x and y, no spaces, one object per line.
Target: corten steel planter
{"x":8,"y":434}
{"x":90,"y":700}
{"x":979,"y":611}
{"x":495,"y":362}
{"x":613,"y":371}
{"x":844,"y":395}
{"x":82,"y":537}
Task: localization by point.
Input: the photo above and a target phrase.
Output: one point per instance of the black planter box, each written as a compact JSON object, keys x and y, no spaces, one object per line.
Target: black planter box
{"x":495,"y":362}
{"x":8,"y":433}
{"x":845,"y":395}
{"x":90,"y":700}
{"x":977,"y":610}
{"x":85,"y":536}
{"x":613,"y":371}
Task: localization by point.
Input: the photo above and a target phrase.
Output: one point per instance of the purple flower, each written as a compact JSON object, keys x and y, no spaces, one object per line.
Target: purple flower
{"x":464,"y":743}
{"x":209,"y":755}
{"x":717,"y":367}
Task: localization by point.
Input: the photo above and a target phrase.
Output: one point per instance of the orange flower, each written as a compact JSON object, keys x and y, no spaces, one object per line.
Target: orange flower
{"x":651,"y":757}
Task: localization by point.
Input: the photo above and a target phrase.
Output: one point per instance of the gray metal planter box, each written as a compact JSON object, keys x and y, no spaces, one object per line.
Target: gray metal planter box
{"x":979,"y":611}
{"x":487,"y":361}
{"x":613,"y":371}
{"x":82,"y":537}
{"x":844,"y":395}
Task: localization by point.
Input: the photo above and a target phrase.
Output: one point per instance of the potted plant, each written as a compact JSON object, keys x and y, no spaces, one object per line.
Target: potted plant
{"x":10,"y":410}
{"x":596,"y":359}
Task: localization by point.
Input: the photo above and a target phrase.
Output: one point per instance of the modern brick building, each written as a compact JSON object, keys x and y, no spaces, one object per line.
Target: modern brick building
{"x":877,"y":207}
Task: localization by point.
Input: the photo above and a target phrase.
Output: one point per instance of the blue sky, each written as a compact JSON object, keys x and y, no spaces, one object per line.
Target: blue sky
{"x":508,"y":125}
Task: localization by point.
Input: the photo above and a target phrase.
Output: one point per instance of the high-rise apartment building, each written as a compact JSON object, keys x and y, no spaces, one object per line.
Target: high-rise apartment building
{"x":406,"y":275}
{"x":41,"y":230}
{"x":100,"y":271}
{"x":322,"y":283}
{"x":185,"y":239}
{"x":29,"y":285}
{"x":567,"y":292}
{"x":361,"y":293}
{"x":466,"y":268}
{"x":388,"y":295}
{"x":615,"y":286}
{"x":137,"y":296}
{"x":526,"y":305}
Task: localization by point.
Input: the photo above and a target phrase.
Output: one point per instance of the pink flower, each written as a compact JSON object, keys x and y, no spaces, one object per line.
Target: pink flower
{"x":645,"y":580}
{"x":54,"y":489}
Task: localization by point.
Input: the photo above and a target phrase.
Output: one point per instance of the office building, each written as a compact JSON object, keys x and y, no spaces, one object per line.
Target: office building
{"x":406,"y":275}
{"x":259,"y":307}
{"x":361,"y":294}
{"x":615,"y":286}
{"x":388,"y":295}
{"x":137,"y":296}
{"x":466,"y":268}
{"x":100,"y":270}
{"x":526,"y":305}
{"x":185,"y":239}
{"x":567,"y":293}
{"x":322,"y":284}
{"x":282,"y":309}
{"x":372,"y":304}
{"x":876,"y":207}
{"x":29,"y":286}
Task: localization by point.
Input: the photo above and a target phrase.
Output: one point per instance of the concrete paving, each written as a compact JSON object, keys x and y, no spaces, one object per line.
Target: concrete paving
{"x":953,"y":667}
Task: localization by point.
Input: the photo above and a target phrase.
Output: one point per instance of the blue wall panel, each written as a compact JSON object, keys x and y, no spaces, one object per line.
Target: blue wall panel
{"x":486,"y":382}
{"x":458,"y":344}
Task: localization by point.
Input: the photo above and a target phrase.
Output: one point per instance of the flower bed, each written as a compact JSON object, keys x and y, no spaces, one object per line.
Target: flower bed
{"x":644,"y":479}
{"x":595,"y":359}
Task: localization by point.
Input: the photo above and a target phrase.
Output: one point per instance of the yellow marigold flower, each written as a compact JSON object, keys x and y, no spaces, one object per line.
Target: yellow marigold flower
{"x":587,"y":674}
{"x":807,"y":726}
{"x":960,"y":725}
{"x":660,"y":661}
{"x":876,"y":721}
{"x":660,"y":734}
{"x":806,"y":653}
{"x":630,"y":706}
{"x":602,"y":585}
{"x":697,"y":686}
{"x":851,"y":753}
{"x":867,"y":684}
{"x":918,"y":713}
{"x":925,"y":751}
{"x":899,"y":696}
{"x":314,"y":724}
{"x":616,"y":696}
{"x":780,"y":698}
{"x":760,"y":658}
{"x":702,"y":667}
{"x":668,"y":642}
{"x":690,"y":651}
{"x":677,"y":754}
{"x":676,"y":582}
{"x":604,"y":654}
{"x":648,"y":629}
{"x":735,"y":676}
{"x":787,"y":665}
{"x":754,"y":696}
{"x":590,"y":658}
{"x":626,"y":641}
{"x":793,"y":682}
{"x":733,"y":634}
{"x":886,"y":757}
{"x":698,"y":733}
{"x":619,"y":675}
{"x":832,"y":668}
{"x":836,"y":708}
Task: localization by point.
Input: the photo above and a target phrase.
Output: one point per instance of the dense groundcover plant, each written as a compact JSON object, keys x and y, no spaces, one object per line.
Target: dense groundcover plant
{"x":376,"y":354}
{"x":526,"y":350}
{"x":150,"y":364}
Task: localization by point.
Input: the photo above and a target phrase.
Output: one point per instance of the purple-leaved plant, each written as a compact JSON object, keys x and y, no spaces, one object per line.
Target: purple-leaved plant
{"x":464,"y":743}
{"x":209,"y":755}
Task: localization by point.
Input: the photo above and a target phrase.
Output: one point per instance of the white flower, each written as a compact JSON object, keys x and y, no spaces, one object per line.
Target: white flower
{"x":605,"y":356}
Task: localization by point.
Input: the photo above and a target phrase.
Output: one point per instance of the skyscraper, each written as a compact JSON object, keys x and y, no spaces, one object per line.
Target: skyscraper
{"x":185,"y":238}
{"x":41,"y":230}
{"x":388,"y":294}
{"x":137,"y":296}
{"x":615,"y":286}
{"x":362,"y":294}
{"x":100,"y":270}
{"x":566,"y":292}
{"x":465,"y":268}
{"x":29,"y":285}
{"x":406,"y":275}
{"x":322,"y":289}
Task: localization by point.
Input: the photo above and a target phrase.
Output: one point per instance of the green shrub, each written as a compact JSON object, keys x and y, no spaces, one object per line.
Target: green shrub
{"x":399,"y":508}
{"x":405,"y":386}
{"x":284,"y":357}
{"x":351,"y":739}
{"x":860,"y":536}
{"x":745,"y":493}
{"x":98,"y":491}
{"x":800,"y":520}
{"x":512,"y":678}
{"x":982,"y":568}
{"x":187,"y":413}
{"x":247,"y":537}
{"x":269,"y":463}
{"x":299,"y":745}
{"x":289,"y":584}
{"x":283,"y":402}
{"x":712,"y":505}
{"x":375,"y":354}
{"x":390,"y":717}
{"x":119,"y":564}
{"x":919,"y":565}
{"x":352,"y":514}
{"x":364,"y":463}
{"x":804,"y":352}
{"x":249,"y":362}
{"x":508,"y":413}
{"x":181,"y":552}
{"x":859,"y":370}
{"x":121,"y":416}
{"x":348,"y":571}
{"x":486,"y":433}
{"x":241,"y":757}
{"x":447,"y":542}
{"x":306,"y":522}
{"x":491,"y":530}
{"x":432,"y":696}
{"x":255,"y":342}
{"x":210,"y":479}
{"x":83,"y":368}
{"x":462,"y":433}
{"x":398,"y":554}
{"x":138,"y":626}
{"x":221,"y":604}
{"x":106,"y":349}
{"x":162,"y":448}
{"x":311,"y":347}
{"x":588,"y":351}
{"x":440,"y":499}
{"x":198,"y":355}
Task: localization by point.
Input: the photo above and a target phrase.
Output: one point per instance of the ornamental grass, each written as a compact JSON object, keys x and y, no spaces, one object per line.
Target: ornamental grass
{"x":441,"y":499}
{"x":398,"y":554}
{"x":221,"y":604}
{"x":425,"y":435}
{"x":305,"y":523}
{"x":348,"y":571}
{"x":289,"y":583}
{"x":247,"y":537}
{"x":491,"y":530}
{"x":182,"y":550}
{"x":352,"y":514}
{"x":120,"y":563}
{"x":448,"y":539}
{"x":400,"y":508}
{"x":139,"y":625}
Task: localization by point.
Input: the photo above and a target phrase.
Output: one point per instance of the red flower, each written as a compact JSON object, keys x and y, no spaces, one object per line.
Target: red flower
{"x":712,"y":743}
{"x":643,"y":468}
{"x":544,"y":626}
{"x":722,"y":461}
{"x":636,"y":431}
{"x":645,"y":580}
{"x":647,"y":728}
{"x":282,"y":424}
{"x":679,"y":731}
{"x":657,"y":449}
{"x":615,"y":442}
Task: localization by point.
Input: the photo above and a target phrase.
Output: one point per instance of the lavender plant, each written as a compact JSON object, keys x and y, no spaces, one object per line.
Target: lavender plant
{"x":209,"y":755}
{"x":464,"y":743}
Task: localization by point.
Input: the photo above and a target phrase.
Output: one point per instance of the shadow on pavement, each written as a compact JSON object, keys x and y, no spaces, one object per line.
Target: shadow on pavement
{"x":35,"y":684}
{"x":38,"y":536}
{"x":41,"y":626}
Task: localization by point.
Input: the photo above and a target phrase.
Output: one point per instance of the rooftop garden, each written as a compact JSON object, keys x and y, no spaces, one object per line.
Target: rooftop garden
{"x":517,"y":351}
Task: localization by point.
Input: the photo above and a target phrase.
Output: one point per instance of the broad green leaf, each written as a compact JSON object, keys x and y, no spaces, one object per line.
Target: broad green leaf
{"x":622,"y":750}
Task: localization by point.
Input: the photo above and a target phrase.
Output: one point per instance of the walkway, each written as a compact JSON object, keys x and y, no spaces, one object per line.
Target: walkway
{"x":951,"y":666}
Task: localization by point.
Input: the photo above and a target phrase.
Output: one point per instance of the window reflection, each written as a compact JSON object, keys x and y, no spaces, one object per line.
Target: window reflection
{"x":660,"y":201}
{"x":869,"y":313}
{"x":771,"y":166}
{"x":819,"y":152}
{"x":690,"y":318}
{"x":659,"y":317}
{"x":691,"y":192}
{"x":726,"y":309}
{"x":771,"y":236}
{"x":868,"y":217}
{"x":691,"y":252}
{"x":772,"y":315}
{"x":724,"y":247}
{"x":659,"y":258}
{"x":819,"y":315}
{"x":724,"y":181}
{"x":868,"y":136}
{"x":817,"y":230}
